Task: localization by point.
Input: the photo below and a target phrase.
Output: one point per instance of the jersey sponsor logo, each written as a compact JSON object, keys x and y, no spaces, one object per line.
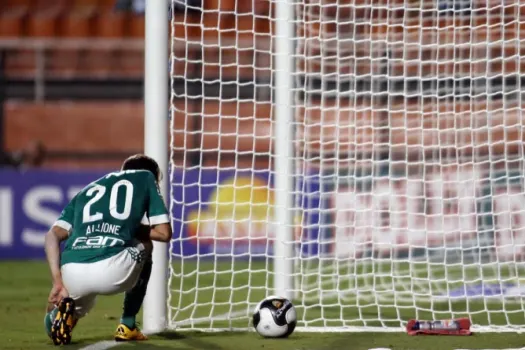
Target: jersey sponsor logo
{"x":103,"y":227}
{"x":97,"y":242}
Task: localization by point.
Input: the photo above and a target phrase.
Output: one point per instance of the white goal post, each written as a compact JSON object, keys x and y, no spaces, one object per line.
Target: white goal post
{"x":362,"y":157}
{"x":156,"y":146}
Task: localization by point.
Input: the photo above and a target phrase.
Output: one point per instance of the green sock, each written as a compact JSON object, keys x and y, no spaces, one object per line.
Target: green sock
{"x":134,"y":297}
{"x":128,"y":321}
{"x":49,"y":319}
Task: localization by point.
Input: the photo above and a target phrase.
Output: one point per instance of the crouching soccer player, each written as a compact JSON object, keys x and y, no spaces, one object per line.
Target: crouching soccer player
{"x":108,"y":228}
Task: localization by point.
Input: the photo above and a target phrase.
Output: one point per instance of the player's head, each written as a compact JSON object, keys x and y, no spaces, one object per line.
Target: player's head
{"x":142,"y":162}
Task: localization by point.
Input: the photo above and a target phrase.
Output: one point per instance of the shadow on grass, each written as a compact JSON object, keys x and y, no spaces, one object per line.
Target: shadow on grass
{"x":192,"y":340}
{"x":185,"y":341}
{"x":84,"y":342}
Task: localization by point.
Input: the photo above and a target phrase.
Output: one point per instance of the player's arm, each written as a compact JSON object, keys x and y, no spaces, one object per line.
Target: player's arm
{"x":58,"y":233}
{"x":161,"y":232}
{"x":52,"y":246}
{"x":157,"y":214}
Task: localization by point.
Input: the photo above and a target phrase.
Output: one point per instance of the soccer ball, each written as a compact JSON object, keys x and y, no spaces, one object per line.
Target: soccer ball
{"x":275,"y":317}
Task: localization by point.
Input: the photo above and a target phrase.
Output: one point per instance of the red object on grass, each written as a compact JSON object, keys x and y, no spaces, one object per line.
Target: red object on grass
{"x":459,"y":326}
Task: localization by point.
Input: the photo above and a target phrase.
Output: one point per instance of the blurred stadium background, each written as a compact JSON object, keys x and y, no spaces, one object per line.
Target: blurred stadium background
{"x":78,"y":64}
{"x":71,"y":75}
{"x":378,"y":83}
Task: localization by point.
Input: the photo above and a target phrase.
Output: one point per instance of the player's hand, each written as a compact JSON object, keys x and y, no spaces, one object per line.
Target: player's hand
{"x":58,"y":292}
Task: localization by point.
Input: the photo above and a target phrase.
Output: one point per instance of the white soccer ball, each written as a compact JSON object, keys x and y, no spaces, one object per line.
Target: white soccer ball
{"x":275,"y":317}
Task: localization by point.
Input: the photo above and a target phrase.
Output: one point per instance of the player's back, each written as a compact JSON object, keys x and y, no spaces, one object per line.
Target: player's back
{"x":106,"y":215}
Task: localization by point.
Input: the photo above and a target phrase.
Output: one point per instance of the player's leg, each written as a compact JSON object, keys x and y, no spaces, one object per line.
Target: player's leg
{"x":60,"y":320}
{"x":79,"y":280}
{"x":134,"y":295}
{"x":127,"y":272}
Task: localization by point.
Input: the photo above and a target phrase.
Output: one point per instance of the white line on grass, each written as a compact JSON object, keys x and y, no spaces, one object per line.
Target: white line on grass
{"x":108,"y":344}
{"x":457,"y":349}
{"x":495,"y":349}
{"x":101,"y":345}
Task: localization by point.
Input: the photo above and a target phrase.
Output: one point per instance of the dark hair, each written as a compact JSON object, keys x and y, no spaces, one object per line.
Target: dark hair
{"x":142,"y":162}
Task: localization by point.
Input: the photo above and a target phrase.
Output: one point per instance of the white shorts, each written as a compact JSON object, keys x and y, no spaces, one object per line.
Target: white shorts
{"x":113,"y":275}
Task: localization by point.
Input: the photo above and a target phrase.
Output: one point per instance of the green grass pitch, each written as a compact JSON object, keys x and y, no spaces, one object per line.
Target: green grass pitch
{"x":24,"y":287}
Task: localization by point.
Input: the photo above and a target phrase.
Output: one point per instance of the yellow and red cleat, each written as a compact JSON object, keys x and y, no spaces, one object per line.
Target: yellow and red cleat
{"x":124,"y":333}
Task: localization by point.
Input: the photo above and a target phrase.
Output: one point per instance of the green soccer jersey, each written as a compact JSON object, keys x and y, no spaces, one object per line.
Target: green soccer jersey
{"x":103,"y":218}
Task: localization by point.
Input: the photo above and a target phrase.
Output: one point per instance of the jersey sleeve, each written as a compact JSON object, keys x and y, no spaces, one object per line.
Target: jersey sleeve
{"x":156,"y":212}
{"x":67,"y":217}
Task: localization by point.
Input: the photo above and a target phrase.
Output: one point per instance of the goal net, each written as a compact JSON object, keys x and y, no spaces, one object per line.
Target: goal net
{"x":406,"y":187}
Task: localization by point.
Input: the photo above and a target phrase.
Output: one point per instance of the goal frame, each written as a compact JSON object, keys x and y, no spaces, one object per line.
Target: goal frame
{"x":156,"y":306}
{"x":156,"y":145}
